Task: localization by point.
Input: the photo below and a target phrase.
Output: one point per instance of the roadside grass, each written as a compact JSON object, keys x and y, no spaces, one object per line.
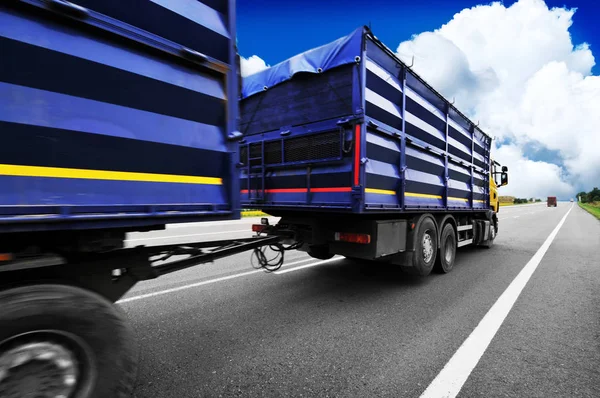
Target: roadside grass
{"x":515,"y":204}
{"x":592,"y":208}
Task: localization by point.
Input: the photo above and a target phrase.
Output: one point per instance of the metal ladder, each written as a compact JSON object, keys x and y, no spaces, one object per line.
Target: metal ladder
{"x":256,"y":195}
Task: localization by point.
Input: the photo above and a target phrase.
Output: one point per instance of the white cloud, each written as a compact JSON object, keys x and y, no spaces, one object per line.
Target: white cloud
{"x":516,"y":70}
{"x":252,"y":65}
{"x":528,"y":178}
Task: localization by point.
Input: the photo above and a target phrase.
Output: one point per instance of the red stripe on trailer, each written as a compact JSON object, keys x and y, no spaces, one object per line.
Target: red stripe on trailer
{"x":304,"y":190}
{"x":357,"y":155}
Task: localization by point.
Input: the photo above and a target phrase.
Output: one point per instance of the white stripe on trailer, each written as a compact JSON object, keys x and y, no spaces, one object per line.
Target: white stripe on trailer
{"x":383,"y":103}
{"x":423,"y":125}
{"x":425,"y":104}
{"x":384,"y":74}
{"x":464,"y":227}
{"x":458,"y":127}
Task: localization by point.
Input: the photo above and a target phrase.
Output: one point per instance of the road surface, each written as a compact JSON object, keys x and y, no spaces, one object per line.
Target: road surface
{"x":521,"y":319}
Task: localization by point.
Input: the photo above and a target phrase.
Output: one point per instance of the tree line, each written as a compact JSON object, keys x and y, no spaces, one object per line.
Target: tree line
{"x":592,"y":196}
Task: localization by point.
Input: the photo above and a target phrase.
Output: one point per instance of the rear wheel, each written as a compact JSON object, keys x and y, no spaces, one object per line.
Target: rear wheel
{"x":447,"y":251}
{"x":63,"y":341}
{"x":425,"y":249}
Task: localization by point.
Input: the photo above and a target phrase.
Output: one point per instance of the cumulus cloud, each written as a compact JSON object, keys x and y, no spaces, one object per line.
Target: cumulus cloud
{"x":517,"y":71}
{"x":252,"y":65}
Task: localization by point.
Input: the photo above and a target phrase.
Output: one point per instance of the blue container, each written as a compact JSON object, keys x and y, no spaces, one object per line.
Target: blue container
{"x":114,"y":114}
{"x":347,"y":127}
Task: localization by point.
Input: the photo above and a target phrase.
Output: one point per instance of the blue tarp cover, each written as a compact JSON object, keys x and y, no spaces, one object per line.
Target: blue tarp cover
{"x":340,"y":52}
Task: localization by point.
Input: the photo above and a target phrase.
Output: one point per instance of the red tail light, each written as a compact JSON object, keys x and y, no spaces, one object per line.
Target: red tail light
{"x":364,"y":239}
{"x":258,"y":227}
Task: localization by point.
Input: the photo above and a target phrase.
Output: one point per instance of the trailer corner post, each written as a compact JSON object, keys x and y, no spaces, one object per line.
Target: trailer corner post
{"x":233,"y":114}
{"x":472,"y":165}
{"x":358,"y":165}
{"x":402,"y":170}
{"x":446,"y":172}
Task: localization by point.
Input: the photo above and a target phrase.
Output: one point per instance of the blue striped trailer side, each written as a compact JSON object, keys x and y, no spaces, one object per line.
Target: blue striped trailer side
{"x":118,"y":111}
{"x":423,"y":153}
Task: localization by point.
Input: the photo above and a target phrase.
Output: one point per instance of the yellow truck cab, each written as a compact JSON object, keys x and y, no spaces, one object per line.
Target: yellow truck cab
{"x":495,"y":184}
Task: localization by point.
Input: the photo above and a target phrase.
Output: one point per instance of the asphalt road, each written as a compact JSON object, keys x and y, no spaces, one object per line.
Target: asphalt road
{"x":341,"y":329}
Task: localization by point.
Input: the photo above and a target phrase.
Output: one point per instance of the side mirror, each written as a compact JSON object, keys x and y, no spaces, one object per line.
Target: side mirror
{"x":503,"y":179}
{"x":504,"y":169}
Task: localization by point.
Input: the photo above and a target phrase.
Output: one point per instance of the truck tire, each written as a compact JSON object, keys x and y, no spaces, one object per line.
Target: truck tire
{"x":426,"y":247}
{"x":447,"y":252}
{"x":59,"y":340}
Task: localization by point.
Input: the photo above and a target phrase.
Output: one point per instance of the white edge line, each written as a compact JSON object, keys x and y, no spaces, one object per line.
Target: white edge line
{"x":224,"y":278}
{"x":452,"y":377}
{"x":308,"y":265}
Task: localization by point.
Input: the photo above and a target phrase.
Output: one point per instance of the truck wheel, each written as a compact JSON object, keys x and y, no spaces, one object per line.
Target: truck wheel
{"x":425,"y":249}
{"x":447,"y":253}
{"x":63,"y":341}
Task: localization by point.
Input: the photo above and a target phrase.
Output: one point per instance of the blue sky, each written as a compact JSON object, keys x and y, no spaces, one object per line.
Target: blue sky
{"x":278,"y":29}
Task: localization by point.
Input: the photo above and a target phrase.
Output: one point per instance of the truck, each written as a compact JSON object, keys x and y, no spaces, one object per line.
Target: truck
{"x":115,"y":117}
{"x":551,"y":202}
{"x":360,"y":157}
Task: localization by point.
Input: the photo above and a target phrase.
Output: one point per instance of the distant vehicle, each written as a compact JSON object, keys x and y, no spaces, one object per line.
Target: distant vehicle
{"x":571,"y":200}
{"x":551,"y":201}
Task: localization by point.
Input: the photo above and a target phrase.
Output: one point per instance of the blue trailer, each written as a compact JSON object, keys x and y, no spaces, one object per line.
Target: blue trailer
{"x":362,"y":158}
{"x":115,"y":116}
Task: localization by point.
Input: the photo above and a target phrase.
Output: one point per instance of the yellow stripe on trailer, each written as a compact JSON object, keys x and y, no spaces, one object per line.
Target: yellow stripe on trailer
{"x":422,"y":195}
{"x":417,"y":195}
{"x":87,"y":174}
{"x":380,"y":191}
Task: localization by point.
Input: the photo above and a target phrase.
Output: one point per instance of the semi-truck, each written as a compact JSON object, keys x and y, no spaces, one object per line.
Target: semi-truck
{"x":551,"y":201}
{"x":360,"y":157}
{"x":123,"y":116}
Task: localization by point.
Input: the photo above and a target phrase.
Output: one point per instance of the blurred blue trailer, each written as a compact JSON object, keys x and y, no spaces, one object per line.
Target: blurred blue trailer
{"x":362,"y":158}
{"x":115,"y":116}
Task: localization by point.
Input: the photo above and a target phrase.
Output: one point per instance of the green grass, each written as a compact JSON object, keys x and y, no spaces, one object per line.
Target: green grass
{"x":592,"y":208}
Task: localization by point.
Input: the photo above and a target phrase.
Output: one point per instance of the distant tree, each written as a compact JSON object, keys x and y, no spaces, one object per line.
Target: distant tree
{"x":594,"y":195}
{"x":538,"y":200}
{"x":583,"y":196}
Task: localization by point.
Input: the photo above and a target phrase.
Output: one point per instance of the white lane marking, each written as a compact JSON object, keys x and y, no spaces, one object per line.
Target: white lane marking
{"x":186,"y":236}
{"x":516,"y":216}
{"x":450,"y":380}
{"x":308,"y":265}
{"x":192,"y":285}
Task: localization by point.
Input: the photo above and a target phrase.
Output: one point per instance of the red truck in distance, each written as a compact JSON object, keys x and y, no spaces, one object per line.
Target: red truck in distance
{"x":551,"y":201}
